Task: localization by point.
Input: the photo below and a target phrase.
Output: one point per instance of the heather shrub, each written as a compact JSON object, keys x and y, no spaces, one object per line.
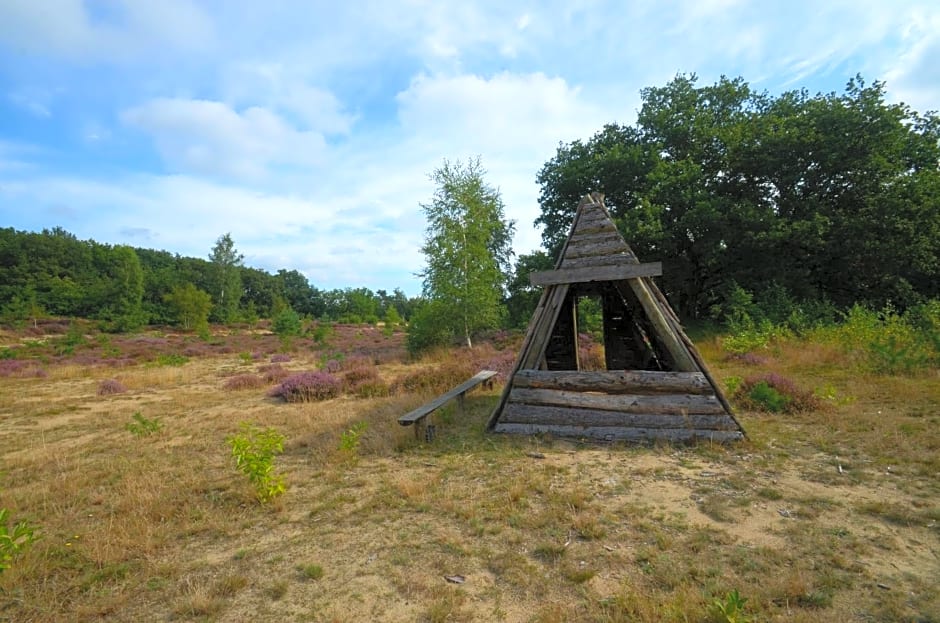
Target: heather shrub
{"x":273,"y":373}
{"x":308,"y":387}
{"x":21,"y":369}
{"x":109,"y":387}
{"x":501,"y":362}
{"x":774,"y":393}
{"x":12,"y":367}
{"x":244,"y":381}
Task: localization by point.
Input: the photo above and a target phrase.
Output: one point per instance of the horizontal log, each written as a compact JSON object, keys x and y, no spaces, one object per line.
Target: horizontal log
{"x":593,"y":218}
{"x":516,"y":413}
{"x":601,"y":273}
{"x":605,"y":433}
{"x":576,"y":250}
{"x":675,"y":404}
{"x":596,"y":235}
{"x":615,"y":381}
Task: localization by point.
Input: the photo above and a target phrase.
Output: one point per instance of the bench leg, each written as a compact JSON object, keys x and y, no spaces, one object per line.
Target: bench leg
{"x":460,"y":401}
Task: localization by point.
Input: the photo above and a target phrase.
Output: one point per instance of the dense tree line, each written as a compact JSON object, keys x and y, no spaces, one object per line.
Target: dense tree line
{"x":52,"y":273}
{"x":832,"y":197}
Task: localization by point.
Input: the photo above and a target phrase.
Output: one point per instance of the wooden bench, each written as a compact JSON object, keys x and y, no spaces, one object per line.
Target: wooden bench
{"x":419,"y":416}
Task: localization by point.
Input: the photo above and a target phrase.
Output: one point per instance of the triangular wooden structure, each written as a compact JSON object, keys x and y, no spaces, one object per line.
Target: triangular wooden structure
{"x":656,"y":385}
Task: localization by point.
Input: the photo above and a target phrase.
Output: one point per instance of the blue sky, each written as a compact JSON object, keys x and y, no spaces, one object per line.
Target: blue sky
{"x":308,"y":129}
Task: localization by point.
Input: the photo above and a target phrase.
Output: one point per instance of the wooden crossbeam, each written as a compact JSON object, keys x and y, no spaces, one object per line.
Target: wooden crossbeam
{"x":596,"y":273}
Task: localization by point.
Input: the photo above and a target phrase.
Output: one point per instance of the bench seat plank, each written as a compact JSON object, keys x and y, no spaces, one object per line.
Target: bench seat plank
{"x":424,"y":410}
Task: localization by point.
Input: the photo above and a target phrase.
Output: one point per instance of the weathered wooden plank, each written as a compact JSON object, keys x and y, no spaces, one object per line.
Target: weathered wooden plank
{"x":542,"y":333}
{"x":589,"y":249}
{"x":613,"y":433}
{"x":596,"y":236}
{"x":593,"y":231}
{"x":677,"y":404}
{"x":423,"y":411}
{"x":601,"y":273}
{"x":594,"y":217}
{"x":615,"y":381}
{"x":516,"y":413}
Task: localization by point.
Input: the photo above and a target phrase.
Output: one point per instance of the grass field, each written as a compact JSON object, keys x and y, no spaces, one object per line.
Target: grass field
{"x":830,"y":515}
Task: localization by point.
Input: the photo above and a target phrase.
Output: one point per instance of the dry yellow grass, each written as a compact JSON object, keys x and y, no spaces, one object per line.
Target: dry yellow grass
{"x":809,"y":519}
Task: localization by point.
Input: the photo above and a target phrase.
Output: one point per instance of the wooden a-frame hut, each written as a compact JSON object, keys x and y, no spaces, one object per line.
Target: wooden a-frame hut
{"x":656,"y":385}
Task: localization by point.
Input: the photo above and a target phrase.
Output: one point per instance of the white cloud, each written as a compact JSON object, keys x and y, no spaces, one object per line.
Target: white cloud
{"x":211,"y":138}
{"x":286,"y":89}
{"x":914,"y":77}
{"x":119,"y":31}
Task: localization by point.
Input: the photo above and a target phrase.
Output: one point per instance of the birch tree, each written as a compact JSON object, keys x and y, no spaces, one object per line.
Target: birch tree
{"x":467,"y":250}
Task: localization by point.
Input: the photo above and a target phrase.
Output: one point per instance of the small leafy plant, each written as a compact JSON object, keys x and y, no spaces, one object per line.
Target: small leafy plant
{"x":349,"y":439}
{"x":731,"y":608}
{"x":13,"y":542}
{"x":142,"y":426}
{"x":254,"y":450}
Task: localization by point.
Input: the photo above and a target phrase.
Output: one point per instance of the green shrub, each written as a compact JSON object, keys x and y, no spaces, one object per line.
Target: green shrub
{"x":429,"y":328}
{"x":767,"y":398}
{"x":254,"y":450}
{"x":286,"y":323}
{"x":142,"y":426}
{"x":13,"y":541}
{"x":774,"y":393}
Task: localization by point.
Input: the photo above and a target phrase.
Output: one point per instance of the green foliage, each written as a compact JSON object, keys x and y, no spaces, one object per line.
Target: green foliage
{"x":74,"y":338}
{"x":321,"y":332}
{"x":731,"y":608}
{"x":254,"y":450}
{"x":311,"y":571}
{"x":14,"y":541}
{"x":392,"y":317}
{"x":171,"y":359}
{"x":429,"y":327}
{"x":887,"y":342}
{"x":286,"y":325}
{"x":349,"y":439}
{"x":190,"y":306}
{"x":767,"y":398}
{"x":226,"y":279}
{"x":831,"y":197}
{"x":467,"y":251}
{"x":142,"y":426}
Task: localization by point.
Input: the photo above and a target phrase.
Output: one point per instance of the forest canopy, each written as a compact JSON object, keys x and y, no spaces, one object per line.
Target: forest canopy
{"x":832,"y":197}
